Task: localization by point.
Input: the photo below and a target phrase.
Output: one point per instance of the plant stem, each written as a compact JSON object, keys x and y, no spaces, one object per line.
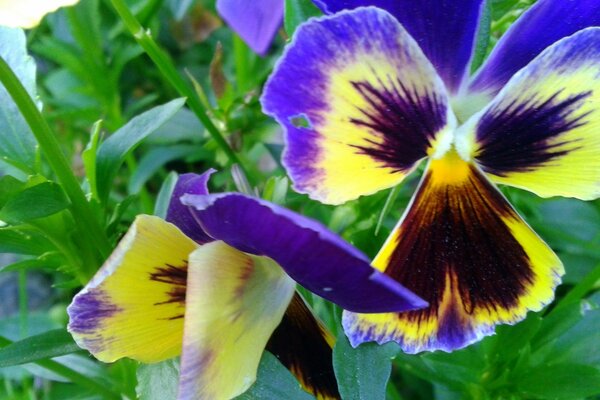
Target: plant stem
{"x":87,"y":223}
{"x":71,"y":375}
{"x":581,"y":289}
{"x":168,"y":70}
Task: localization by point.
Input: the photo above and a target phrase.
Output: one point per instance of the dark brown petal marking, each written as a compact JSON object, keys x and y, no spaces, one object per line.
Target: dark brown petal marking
{"x":404,"y":120}
{"x":455,"y":250}
{"x":521,"y":137}
{"x":303,"y":346}
{"x":176,"y":278}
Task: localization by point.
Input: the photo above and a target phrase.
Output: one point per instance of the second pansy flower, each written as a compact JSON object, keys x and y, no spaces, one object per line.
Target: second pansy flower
{"x":216,"y":284}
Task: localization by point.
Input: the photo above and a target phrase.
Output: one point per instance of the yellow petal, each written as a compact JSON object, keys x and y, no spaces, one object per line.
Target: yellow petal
{"x":28,"y":13}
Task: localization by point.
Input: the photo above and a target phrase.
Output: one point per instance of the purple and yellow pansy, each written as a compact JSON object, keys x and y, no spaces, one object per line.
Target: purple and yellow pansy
{"x":367,"y":93}
{"x":216,"y":283}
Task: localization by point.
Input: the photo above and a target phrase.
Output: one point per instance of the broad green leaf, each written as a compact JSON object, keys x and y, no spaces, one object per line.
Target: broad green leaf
{"x":158,"y":381}
{"x":580,"y":344}
{"x":17,"y":143}
{"x":37,"y":201}
{"x":274,"y":382}
{"x":23,"y":242}
{"x":113,"y":151}
{"x":296,"y":12}
{"x":9,"y":186}
{"x":363,"y":373}
{"x":49,"y":344}
{"x":557,"y":323}
{"x":561,"y":381}
{"x":510,"y":339}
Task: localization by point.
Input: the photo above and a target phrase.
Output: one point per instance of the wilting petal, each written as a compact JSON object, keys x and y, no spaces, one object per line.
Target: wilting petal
{"x":179,"y":214}
{"x":541,"y":133}
{"x":466,"y":251}
{"x":315,"y":257}
{"x":360,"y":103}
{"x":28,"y":13}
{"x":304,"y":346}
{"x":444,"y":29}
{"x":543,"y":24}
{"x":234,"y":303}
{"x":256,"y":21}
{"x":134,"y":305}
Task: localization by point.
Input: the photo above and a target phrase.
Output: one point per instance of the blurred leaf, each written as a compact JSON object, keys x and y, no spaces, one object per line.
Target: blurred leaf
{"x":37,"y":201}
{"x":89,"y":158}
{"x":17,"y":143}
{"x":562,"y":381}
{"x":218,"y":80}
{"x":296,"y":12}
{"x":154,"y":160}
{"x":49,"y":344}
{"x":113,"y":151}
{"x":512,"y":338}
{"x":164,"y":195}
{"x":274,"y":382}
{"x":183,"y":126}
{"x":9,"y":186}
{"x":363,"y":373}
{"x":158,"y":381}
{"x":557,"y":323}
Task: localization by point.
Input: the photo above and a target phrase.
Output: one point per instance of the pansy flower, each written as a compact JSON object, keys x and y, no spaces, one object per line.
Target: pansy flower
{"x":28,"y":13}
{"x":365,"y":95}
{"x":216,"y":283}
{"x":256,"y":21}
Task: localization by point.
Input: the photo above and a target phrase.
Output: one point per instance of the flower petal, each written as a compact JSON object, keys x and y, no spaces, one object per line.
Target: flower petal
{"x":134,"y":305}
{"x":304,"y":346}
{"x":28,"y":13}
{"x":444,"y":29}
{"x":465,"y":250}
{"x":255,"y":21}
{"x":234,"y":303}
{"x":541,"y":131}
{"x":311,"y":254}
{"x":546,"y":22}
{"x":179,"y":214}
{"x":360,"y":103}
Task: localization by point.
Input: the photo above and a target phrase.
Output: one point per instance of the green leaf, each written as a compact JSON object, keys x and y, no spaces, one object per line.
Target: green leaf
{"x":113,"y":151}
{"x":296,"y":12}
{"x":154,"y":160}
{"x":555,"y":324}
{"x":164,"y":195}
{"x":363,"y":373}
{"x":158,"y":381}
{"x":19,"y":242}
{"x":274,"y":382}
{"x":562,"y":381}
{"x":483,"y":37}
{"x":17,"y":143}
{"x":510,"y":339}
{"x":49,"y":344}
{"x":37,"y":201}
{"x":88,"y":156}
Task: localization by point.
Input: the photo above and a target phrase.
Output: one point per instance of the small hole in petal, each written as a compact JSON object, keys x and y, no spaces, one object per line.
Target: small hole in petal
{"x":301,"y":121}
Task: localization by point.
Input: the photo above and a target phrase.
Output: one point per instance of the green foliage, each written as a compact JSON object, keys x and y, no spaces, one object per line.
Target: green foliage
{"x":105,"y":90}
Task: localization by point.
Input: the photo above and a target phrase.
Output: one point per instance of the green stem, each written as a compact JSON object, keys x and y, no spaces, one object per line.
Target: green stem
{"x":168,"y":70}
{"x":71,"y":375}
{"x":23,"y":302}
{"x":87,"y":223}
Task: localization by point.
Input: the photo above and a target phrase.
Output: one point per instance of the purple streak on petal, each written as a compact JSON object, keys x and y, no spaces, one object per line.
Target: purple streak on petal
{"x":312,"y":255}
{"x":446,"y":30}
{"x":179,"y":214}
{"x":545,"y":23}
{"x":256,"y":21}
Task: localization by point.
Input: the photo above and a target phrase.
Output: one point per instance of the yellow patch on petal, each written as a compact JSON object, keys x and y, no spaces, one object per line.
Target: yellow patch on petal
{"x":134,"y":306}
{"x":466,"y":251}
{"x":28,"y":13}
{"x":235,"y":301}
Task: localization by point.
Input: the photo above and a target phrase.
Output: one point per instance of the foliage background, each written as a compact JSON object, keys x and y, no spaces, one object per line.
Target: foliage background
{"x":96,"y":82}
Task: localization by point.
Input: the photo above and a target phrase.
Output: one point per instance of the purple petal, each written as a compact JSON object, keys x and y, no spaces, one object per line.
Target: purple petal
{"x":311,"y":254}
{"x":256,"y":21}
{"x":445,"y":29}
{"x":180,"y":215}
{"x":544,"y":23}
{"x":360,"y":103}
